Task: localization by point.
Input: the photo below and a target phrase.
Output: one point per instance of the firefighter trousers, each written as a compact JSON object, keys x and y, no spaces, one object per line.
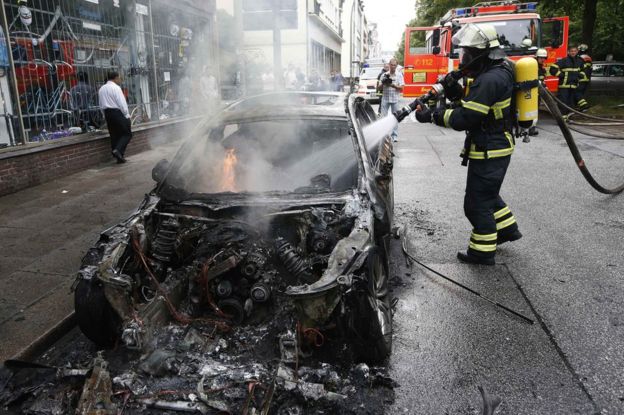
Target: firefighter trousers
{"x":579,"y":96}
{"x":489,"y":215}
{"x":568,"y":97}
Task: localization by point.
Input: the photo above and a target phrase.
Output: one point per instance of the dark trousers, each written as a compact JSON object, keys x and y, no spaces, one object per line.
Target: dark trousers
{"x":567,"y":96}
{"x":485,"y":209}
{"x":119,"y":129}
{"x":579,"y":97}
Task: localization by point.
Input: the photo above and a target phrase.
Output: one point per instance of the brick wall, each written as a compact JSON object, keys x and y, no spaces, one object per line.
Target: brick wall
{"x":26,"y":166}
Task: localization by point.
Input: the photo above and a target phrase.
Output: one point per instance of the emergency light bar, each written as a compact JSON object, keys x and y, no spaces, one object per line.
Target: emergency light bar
{"x":493,"y":7}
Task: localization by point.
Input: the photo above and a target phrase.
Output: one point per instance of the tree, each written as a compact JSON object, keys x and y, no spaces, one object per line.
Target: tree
{"x":589,"y":21}
{"x":428,"y":13}
{"x":598,"y":23}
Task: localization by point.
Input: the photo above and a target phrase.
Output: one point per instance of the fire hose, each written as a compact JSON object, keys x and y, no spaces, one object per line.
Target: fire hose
{"x":551,"y":104}
{"x":602,"y":122}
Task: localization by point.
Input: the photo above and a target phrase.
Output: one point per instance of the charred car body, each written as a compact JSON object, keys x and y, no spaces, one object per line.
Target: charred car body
{"x":267,"y":207}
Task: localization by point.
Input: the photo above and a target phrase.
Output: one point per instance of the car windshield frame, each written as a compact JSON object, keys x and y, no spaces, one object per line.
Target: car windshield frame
{"x":171,"y":187}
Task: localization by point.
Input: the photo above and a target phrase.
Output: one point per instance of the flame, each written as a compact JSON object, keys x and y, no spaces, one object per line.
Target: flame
{"x":228,"y":175}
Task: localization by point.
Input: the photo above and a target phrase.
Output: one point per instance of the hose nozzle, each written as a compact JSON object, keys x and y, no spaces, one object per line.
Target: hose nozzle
{"x":406,"y":110}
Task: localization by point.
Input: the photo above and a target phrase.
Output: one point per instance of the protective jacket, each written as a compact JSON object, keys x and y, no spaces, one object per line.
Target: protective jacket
{"x":568,"y":70}
{"x":485,"y":114}
{"x":541,"y":73}
{"x":586,"y":69}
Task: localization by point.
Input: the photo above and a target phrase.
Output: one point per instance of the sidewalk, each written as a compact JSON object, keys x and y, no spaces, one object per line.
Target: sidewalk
{"x":45,"y":231}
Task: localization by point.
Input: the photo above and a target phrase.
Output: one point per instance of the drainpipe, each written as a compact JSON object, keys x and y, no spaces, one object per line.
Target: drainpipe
{"x":154,"y":61}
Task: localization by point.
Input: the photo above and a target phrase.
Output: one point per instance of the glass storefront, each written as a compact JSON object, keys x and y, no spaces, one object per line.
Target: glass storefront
{"x":59,"y":54}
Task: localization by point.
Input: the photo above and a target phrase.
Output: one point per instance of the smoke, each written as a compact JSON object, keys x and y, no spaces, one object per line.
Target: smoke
{"x":271,"y":156}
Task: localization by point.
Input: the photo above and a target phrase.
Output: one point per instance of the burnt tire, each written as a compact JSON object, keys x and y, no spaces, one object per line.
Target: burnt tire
{"x":95,"y":316}
{"x":373,"y":327}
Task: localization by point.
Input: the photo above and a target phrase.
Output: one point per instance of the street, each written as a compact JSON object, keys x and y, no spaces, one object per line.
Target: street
{"x":564,"y":274}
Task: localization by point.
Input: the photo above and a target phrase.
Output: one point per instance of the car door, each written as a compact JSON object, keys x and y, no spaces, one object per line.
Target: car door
{"x":599,"y":80}
{"x":616,"y":79}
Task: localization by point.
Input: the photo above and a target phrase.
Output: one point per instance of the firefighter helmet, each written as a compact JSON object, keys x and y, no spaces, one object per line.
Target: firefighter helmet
{"x":583,"y":47}
{"x":481,"y":36}
{"x":541,"y":53}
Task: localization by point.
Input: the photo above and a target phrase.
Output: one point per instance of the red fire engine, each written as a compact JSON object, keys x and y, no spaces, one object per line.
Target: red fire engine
{"x":430,"y":53}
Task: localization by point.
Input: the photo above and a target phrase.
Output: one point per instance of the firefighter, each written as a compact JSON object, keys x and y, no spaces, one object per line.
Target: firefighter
{"x":568,"y":70}
{"x":585,"y":77}
{"x":541,"y":55}
{"x":485,"y":114}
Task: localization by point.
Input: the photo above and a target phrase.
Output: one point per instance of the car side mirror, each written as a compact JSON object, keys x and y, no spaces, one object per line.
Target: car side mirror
{"x":435,"y":39}
{"x":436,"y":50}
{"x":160,"y":170}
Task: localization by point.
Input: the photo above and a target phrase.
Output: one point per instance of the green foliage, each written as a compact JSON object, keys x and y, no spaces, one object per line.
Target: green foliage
{"x":608,"y":35}
{"x":428,"y":13}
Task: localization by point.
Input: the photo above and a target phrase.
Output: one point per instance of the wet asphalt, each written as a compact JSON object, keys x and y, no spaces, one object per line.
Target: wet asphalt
{"x":565,"y":274}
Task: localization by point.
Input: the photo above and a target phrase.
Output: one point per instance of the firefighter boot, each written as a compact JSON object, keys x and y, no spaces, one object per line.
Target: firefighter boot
{"x":509,"y":237}
{"x":473,"y":259}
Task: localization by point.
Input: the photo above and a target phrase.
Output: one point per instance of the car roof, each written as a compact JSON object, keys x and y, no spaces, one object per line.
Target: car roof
{"x":287,"y":105}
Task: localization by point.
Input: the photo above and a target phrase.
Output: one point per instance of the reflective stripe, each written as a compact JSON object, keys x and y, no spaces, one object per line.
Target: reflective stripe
{"x":475,"y":106}
{"x":498,"y":108}
{"x":482,"y":248}
{"x":567,"y":86}
{"x":480,"y":155}
{"x":501,"y":212}
{"x":486,"y":237}
{"x":570,"y":69}
{"x":447,"y":116}
{"x":505,"y":223}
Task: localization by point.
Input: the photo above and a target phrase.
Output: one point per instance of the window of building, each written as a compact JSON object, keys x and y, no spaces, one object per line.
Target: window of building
{"x":258,"y":14}
{"x":63,"y":54}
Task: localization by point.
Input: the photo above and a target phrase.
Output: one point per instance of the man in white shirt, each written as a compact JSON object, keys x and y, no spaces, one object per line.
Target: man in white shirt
{"x":113,"y":103}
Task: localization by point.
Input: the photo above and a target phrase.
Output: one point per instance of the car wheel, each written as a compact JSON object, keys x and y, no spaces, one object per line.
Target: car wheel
{"x":373,"y":313}
{"x":96,"y":318}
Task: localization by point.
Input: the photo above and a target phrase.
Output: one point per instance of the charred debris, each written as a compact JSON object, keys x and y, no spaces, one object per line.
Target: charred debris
{"x":225,"y":309}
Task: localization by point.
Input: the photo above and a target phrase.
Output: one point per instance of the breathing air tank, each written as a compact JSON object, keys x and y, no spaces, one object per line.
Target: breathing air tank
{"x":527,"y":99}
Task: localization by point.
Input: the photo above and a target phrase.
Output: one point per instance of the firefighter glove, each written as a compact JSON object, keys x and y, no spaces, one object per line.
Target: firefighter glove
{"x":437,"y":116}
{"x":424,"y":115}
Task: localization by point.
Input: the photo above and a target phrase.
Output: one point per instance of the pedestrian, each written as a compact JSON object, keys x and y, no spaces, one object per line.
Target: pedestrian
{"x":485,"y":114}
{"x":84,"y":105}
{"x":392,"y":86}
{"x":540,"y":56}
{"x":290,"y":78}
{"x":385,"y":69}
{"x":568,"y":70}
{"x":584,"y":79}
{"x":338,"y":82}
{"x":113,"y":103}
{"x":314,"y":81}
{"x":209,"y":91}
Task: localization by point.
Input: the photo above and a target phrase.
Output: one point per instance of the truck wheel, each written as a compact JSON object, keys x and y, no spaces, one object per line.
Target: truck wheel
{"x":96,"y":318}
{"x":373,"y":314}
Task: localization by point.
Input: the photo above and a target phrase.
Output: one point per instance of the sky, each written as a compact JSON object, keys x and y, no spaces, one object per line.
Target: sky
{"x":391,"y":17}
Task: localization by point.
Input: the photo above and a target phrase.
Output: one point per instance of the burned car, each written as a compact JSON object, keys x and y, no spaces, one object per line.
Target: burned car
{"x":275,"y":212}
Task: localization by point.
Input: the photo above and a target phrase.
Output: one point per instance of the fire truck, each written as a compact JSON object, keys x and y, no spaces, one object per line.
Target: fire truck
{"x":429,"y":52}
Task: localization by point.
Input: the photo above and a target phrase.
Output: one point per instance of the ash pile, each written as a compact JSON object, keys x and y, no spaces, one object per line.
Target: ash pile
{"x":220,"y":317}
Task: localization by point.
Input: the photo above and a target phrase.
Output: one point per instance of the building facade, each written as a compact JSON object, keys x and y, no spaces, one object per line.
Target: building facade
{"x":310,"y":34}
{"x":355,"y":29}
{"x":157,"y":46}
